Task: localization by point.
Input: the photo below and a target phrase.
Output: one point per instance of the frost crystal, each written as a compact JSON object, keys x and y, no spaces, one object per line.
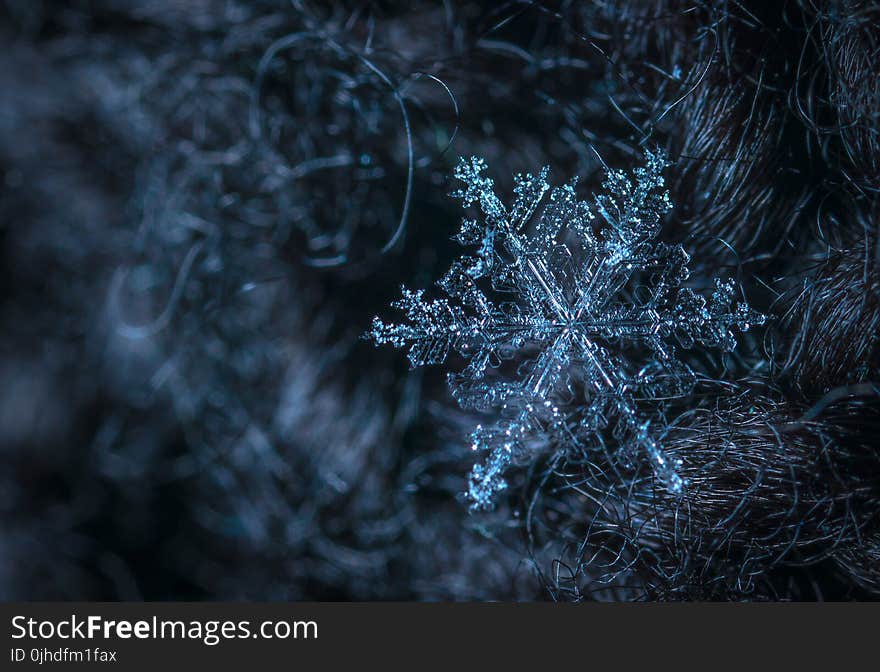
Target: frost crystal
{"x":596,"y":303}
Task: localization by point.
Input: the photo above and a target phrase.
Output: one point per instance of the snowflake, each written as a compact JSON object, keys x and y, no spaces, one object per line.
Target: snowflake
{"x":596,"y":305}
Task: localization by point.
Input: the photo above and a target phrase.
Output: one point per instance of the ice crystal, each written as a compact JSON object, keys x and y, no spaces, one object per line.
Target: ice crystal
{"x":596,"y":305}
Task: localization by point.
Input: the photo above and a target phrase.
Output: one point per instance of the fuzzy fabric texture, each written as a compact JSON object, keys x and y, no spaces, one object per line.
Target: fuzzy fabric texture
{"x":205,"y":202}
